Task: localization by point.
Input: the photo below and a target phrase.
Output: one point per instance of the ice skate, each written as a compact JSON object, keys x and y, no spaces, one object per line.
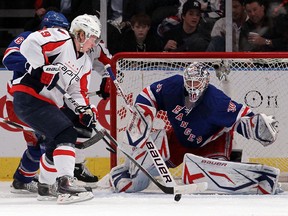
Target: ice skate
{"x":84,"y":176}
{"x":47,"y":192}
{"x":19,"y":187}
{"x":69,"y":192}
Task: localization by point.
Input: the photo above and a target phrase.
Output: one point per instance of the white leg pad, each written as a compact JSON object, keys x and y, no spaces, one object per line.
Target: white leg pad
{"x":230,"y":177}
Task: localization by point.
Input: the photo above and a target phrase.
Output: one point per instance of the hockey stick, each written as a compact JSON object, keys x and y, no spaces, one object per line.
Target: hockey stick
{"x":176,"y":189}
{"x":94,"y":139}
{"x":151,"y":148}
{"x":75,"y":104}
{"x":16,"y":125}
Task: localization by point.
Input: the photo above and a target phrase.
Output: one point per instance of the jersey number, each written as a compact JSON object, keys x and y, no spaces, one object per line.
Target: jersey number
{"x":45,"y":33}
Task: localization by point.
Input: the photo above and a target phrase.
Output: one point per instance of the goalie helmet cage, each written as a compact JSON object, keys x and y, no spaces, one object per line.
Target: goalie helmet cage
{"x":258,"y":80}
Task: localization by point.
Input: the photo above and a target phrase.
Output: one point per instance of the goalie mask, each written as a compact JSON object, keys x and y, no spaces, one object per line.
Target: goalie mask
{"x":90,"y":25}
{"x":196,"y":79}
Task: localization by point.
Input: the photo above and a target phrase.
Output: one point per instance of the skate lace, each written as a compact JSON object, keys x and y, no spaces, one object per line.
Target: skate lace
{"x":32,"y":186}
{"x":53,"y":189}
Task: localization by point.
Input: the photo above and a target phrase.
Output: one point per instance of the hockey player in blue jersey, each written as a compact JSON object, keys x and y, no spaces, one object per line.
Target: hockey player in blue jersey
{"x":203,"y":121}
{"x":13,"y":60}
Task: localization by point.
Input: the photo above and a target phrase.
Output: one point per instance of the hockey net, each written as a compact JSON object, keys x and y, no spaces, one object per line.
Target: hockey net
{"x":258,"y":80}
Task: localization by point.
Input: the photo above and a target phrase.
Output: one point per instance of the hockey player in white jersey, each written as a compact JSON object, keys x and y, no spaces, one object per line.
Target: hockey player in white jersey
{"x":57,"y":57}
{"x":203,"y":120}
{"x":24,"y":180}
{"x":100,"y":56}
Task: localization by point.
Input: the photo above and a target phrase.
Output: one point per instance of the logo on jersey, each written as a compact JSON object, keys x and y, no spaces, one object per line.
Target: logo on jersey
{"x":70,"y":71}
{"x":19,"y":40}
{"x":159,"y":87}
{"x":231,"y":107}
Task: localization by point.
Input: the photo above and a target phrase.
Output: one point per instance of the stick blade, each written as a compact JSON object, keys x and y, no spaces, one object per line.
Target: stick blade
{"x":191,"y":188}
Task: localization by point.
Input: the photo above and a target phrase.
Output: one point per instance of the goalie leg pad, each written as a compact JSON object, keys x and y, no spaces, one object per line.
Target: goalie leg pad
{"x":140,"y":124}
{"x":144,"y":158}
{"x":122,"y":181}
{"x":230,"y":177}
{"x":128,"y":177}
{"x":260,"y":127}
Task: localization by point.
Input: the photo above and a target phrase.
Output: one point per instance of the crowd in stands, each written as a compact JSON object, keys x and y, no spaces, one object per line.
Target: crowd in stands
{"x":180,"y":25}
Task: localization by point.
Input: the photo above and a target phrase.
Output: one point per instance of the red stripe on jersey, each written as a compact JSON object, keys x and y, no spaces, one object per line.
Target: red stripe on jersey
{"x":10,"y":50}
{"x":50,"y":47}
{"x":27,"y":174}
{"x":145,"y":90}
{"x":49,"y":169}
{"x":31,"y":91}
{"x":84,"y":86}
{"x":245,"y":111}
{"x":103,"y":56}
{"x":62,"y":152}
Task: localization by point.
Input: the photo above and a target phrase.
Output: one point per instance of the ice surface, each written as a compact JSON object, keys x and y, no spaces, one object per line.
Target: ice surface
{"x":146,"y":203}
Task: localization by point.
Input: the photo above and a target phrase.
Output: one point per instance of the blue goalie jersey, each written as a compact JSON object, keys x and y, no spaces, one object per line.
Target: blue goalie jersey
{"x":214,"y":114}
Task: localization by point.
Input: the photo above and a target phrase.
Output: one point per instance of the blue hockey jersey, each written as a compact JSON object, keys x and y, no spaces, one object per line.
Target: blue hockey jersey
{"x":13,"y":60}
{"x":214,"y":114}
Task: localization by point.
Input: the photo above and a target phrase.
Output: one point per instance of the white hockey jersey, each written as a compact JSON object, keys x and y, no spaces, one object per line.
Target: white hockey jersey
{"x":100,"y":56}
{"x":55,"y":46}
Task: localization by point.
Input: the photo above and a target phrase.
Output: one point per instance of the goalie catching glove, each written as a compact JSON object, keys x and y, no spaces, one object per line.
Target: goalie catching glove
{"x":260,"y":127}
{"x":88,"y":115}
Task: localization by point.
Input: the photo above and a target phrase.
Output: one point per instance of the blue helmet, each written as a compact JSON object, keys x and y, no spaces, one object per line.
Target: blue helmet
{"x":52,"y":18}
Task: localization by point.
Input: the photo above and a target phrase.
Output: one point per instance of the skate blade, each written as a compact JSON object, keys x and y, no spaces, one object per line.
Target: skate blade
{"x":74,"y":198}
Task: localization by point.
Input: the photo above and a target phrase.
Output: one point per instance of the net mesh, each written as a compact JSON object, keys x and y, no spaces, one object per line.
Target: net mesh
{"x":259,"y":83}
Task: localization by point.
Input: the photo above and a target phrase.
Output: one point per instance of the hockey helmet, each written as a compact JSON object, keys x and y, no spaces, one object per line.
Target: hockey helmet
{"x":52,"y":19}
{"x":196,"y":79}
{"x":90,"y":25}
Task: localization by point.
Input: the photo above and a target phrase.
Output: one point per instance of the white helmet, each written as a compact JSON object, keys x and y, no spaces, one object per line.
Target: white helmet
{"x":196,"y":79}
{"x":87,"y":24}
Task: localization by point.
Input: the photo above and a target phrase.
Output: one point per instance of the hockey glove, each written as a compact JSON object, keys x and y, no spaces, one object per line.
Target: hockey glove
{"x":50,"y":76}
{"x":104,"y":88}
{"x":260,"y":127}
{"x":88,"y":115}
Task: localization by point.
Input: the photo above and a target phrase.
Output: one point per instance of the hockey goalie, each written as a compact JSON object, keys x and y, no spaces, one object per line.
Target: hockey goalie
{"x":203,"y":121}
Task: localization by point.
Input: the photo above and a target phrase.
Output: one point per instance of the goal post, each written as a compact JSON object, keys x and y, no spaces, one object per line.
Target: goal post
{"x":258,"y":80}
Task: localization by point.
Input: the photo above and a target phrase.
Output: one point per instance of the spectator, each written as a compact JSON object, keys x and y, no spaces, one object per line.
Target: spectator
{"x":187,"y":35}
{"x":156,"y":9}
{"x":34,"y":24}
{"x":218,"y":33}
{"x":72,"y":8}
{"x":259,"y":33}
{"x":139,"y":38}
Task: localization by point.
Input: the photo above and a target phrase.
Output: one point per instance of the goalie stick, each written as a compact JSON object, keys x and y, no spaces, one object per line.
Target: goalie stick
{"x":159,"y":163}
{"x":177,"y":190}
